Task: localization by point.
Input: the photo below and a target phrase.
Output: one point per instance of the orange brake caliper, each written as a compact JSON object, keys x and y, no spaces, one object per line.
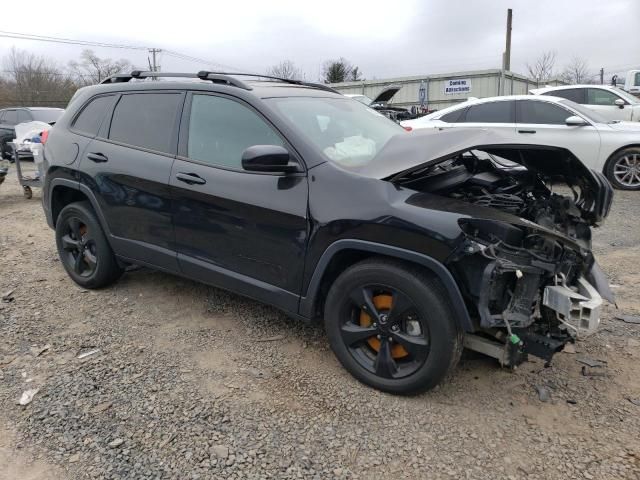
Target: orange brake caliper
{"x":382,"y":303}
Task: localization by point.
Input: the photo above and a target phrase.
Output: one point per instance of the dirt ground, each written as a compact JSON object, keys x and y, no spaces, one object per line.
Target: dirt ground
{"x":191,"y":382}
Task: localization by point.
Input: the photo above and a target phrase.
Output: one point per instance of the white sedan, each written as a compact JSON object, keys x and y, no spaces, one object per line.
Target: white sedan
{"x":607,"y":146}
{"x":610,"y":102}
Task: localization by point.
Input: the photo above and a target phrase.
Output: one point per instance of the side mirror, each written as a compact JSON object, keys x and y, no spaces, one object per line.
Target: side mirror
{"x":575,"y":121}
{"x":620,"y":103}
{"x":268,"y":158}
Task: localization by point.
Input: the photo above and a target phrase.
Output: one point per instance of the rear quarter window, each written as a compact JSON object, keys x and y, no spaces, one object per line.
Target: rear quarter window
{"x":453,"y":117}
{"x":92,"y":115}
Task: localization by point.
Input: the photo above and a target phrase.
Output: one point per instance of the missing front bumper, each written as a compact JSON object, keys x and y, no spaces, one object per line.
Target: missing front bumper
{"x":577,"y":308}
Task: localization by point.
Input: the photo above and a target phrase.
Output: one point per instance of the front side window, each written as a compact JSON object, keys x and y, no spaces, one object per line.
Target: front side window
{"x":543,"y":113}
{"x":347,"y":132}
{"x":573,"y":94}
{"x":221,"y":129}
{"x":146,"y":120}
{"x":492,"y":112}
{"x":91,"y":116}
{"x":597,"y":96}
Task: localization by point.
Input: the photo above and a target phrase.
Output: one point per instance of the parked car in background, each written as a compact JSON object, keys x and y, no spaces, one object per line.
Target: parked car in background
{"x":408,"y":245}
{"x":381,"y":103}
{"x":610,"y":102}
{"x":10,"y":117}
{"x":604,"y":145}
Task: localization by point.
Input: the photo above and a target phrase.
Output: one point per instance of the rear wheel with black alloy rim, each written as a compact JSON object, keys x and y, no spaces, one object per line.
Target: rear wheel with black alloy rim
{"x":392,"y":327}
{"x":623,"y":169}
{"x":83,"y":248}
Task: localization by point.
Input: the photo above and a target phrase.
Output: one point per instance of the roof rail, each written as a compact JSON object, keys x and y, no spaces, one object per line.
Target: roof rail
{"x":212,"y":76}
{"x":216,"y":77}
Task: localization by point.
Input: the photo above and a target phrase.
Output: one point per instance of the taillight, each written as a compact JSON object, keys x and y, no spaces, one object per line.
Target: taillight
{"x":408,"y":129}
{"x":43,"y":136}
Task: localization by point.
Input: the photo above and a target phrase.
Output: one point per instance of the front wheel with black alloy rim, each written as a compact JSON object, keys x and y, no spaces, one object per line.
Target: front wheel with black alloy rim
{"x":392,"y":327}
{"x":623,"y":169}
{"x":83,"y":248}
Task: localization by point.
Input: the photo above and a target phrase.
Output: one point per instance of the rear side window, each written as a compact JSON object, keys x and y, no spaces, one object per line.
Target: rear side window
{"x":92,"y":114}
{"x":453,"y":117}
{"x":146,"y":120}
{"x":544,"y":113}
{"x":573,"y":94}
{"x":23,"y":116}
{"x":493,"y":112}
{"x":597,"y":96}
{"x":10,"y":117}
{"x":221,"y":129}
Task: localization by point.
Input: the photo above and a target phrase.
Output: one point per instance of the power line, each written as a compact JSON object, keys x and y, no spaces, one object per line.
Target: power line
{"x":89,"y":43}
{"x":42,"y":38}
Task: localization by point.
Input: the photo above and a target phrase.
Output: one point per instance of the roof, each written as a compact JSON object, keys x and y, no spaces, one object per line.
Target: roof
{"x":263,"y":86}
{"x":31,"y":108}
{"x":550,"y":88}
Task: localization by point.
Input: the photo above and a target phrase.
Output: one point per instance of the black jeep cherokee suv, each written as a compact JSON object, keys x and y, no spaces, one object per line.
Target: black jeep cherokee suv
{"x":409,"y":245}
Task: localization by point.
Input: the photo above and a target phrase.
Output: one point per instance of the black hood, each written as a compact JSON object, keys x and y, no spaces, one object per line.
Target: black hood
{"x":406,"y":153}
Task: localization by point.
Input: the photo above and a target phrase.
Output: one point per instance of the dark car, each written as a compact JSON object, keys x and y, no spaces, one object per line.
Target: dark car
{"x":410,"y":246}
{"x":381,"y":104}
{"x":10,"y":117}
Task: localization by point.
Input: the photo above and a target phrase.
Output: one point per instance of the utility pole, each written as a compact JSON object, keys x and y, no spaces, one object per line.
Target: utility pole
{"x":507,"y":49}
{"x":506,"y":55}
{"x":154,"y":66}
{"x":602,"y":76}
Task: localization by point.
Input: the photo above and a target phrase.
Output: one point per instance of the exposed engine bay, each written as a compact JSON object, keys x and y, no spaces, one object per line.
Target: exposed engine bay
{"x":524,"y":264}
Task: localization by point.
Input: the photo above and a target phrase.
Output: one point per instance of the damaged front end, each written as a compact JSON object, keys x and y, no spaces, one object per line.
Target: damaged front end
{"x":524,"y":263}
{"x":530,"y":298}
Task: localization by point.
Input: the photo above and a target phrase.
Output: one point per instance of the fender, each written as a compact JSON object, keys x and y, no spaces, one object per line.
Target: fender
{"x":433,"y":265}
{"x":76,"y":185}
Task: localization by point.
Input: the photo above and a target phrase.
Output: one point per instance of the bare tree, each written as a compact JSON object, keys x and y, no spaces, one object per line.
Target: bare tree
{"x":355,"y":75}
{"x":92,"y":69}
{"x":285,"y":69}
{"x":341,"y":70}
{"x":32,"y":80}
{"x":577,"y":71}
{"x":542,"y":68}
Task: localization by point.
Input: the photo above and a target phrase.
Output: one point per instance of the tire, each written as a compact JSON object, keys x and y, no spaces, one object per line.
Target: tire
{"x":428,"y":325}
{"x":625,"y":163}
{"x":83,"y":248}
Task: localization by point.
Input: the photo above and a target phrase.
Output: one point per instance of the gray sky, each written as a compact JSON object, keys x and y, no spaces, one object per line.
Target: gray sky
{"x":384,"y":38}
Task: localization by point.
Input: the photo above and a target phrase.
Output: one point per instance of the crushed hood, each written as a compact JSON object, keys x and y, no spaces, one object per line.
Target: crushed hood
{"x":422,"y":148}
{"x":405,"y":153}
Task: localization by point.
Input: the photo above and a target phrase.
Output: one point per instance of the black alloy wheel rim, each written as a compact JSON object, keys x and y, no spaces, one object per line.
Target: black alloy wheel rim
{"x":79,"y":247}
{"x":383,"y":331}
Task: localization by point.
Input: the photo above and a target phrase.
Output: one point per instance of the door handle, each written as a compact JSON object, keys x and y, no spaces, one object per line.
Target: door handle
{"x":526,"y":131}
{"x":97,"y":157}
{"x":190,"y":178}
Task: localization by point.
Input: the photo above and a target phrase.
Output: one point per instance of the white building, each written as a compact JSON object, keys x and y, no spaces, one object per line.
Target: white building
{"x":446,"y":89}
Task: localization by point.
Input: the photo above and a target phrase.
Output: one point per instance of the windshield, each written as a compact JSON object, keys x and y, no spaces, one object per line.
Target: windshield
{"x":47,"y":116}
{"x":348,"y":133}
{"x":585,"y":112}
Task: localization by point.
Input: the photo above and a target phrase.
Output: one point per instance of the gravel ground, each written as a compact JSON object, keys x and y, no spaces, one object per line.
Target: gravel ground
{"x":192,"y":382}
